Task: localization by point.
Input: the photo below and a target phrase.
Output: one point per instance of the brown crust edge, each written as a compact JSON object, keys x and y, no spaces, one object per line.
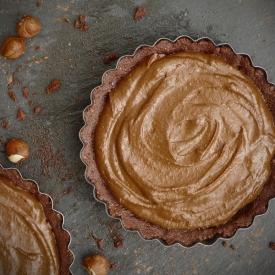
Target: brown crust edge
{"x":99,"y":95}
{"x":55,"y":218}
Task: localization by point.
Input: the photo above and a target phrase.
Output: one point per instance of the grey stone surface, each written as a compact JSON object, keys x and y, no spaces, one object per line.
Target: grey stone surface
{"x":76,"y":58}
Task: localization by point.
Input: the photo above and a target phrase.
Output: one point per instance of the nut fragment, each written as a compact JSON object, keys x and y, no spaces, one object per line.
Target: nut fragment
{"x":140,"y":12}
{"x":17,"y":150}
{"x":13,"y":47}
{"x":54,"y":86}
{"x":20,"y":114}
{"x":37,"y":110}
{"x":5,"y":124}
{"x":28,"y":26}
{"x":96,"y":264}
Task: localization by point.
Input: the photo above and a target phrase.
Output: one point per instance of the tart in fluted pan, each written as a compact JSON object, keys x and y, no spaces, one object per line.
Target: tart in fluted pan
{"x":179,"y":140}
{"x":33,"y":240}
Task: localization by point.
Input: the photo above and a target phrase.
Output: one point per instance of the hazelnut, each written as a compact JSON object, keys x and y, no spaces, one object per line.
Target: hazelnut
{"x":28,"y":26}
{"x":96,"y":264}
{"x":12,"y":47}
{"x":17,"y":150}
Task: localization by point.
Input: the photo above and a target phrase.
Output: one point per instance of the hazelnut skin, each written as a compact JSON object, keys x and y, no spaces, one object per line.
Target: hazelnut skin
{"x":17,"y":150}
{"x":28,"y":26}
{"x":12,"y":47}
{"x":96,"y":264}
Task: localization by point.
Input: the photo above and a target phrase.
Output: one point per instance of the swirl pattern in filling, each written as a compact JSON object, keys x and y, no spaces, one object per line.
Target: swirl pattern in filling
{"x":185,"y":141}
{"x":27,"y":243}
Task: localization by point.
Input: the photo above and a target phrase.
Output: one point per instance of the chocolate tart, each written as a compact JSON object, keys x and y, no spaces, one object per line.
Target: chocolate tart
{"x":33,"y":240}
{"x":179,"y":141}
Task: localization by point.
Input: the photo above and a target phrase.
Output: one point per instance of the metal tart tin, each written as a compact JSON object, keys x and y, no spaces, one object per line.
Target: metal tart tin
{"x":86,"y":130}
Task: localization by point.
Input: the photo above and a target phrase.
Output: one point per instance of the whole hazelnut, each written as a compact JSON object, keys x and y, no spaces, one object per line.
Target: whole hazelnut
{"x":17,"y":150}
{"x":12,"y":47}
{"x":96,"y":264}
{"x":28,"y":26}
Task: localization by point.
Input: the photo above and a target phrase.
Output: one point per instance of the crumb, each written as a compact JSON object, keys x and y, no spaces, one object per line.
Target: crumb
{"x":38,"y":4}
{"x":232,"y":247}
{"x":31,"y":103}
{"x":113,"y":266}
{"x":118,"y":242}
{"x":67,"y":20}
{"x":38,"y":48}
{"x":20,"y":115}
{"x":77,"y":100}
{"x":3,"y":112}
{"x":54,"y":86}
{"x":272,"y":245}
{"x":12,"y":96}
{"x":82,"y":18}
{"x":84,"y":27}
{"x":5,"y":124}
{"x":26,"y":92}
{"x":264,"y":40}
{"x":69,"y":191}
{"x":109,"y":58}
{"x":37,"y":110}
{"x":77,"y":24}
{"x":225,"y":243}
{"x":140,"y":12}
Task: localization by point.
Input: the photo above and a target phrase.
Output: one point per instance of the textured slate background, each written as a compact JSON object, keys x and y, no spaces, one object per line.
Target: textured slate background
{"x":76,"y":58}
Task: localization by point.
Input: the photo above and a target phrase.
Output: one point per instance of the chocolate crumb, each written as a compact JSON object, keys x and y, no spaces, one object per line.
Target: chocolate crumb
{"x":20,"y":115}
{"x":225,"y":243}
{"x":3,"y":112}
{"x":54,"y":86}
{"x":37,"y":110}
{"x":272,"y":245}
{"x":67,"y":20}
{"x":140,"y":12}
{"x":38,"y":48}
{"x":109,"y":58}
{"x":5,"y":124}
{"x":31,"y":103}
{"x":77,"y":24}
{"x":113,"y":266}
{"x":84,"y":27}
{"x":12,"y":96}
{"x":232,"y":247}
{"x":26,"y":92}
{"x":38,"y":4}
{"x":82,"y":18}
{"x":118,"y":242}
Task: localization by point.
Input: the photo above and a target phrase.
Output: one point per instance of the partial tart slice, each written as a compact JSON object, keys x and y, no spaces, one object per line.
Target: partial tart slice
{"x":33,"y":240}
